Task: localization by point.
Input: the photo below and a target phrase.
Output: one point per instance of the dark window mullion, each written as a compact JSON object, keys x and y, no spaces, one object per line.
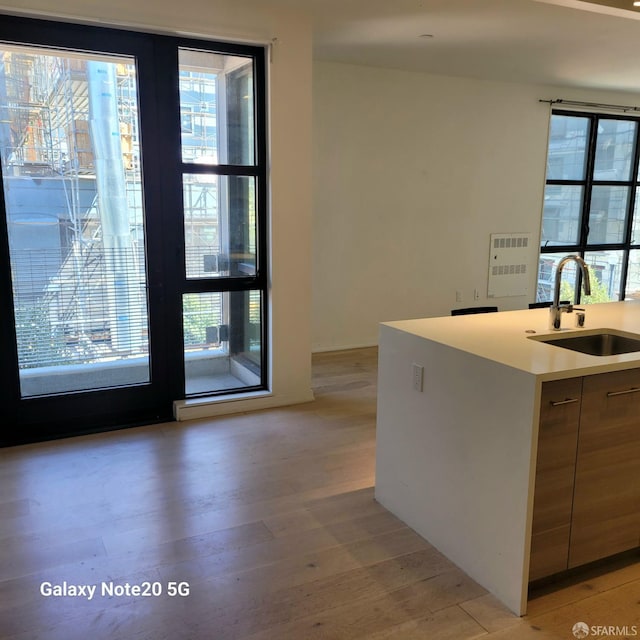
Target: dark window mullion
{"x":566,"y":183}
{"x":618,"y":246}
{"x":261,"y":142}
{"x":612,"y":183}
{"x":220,"y":285}
{"x":560,"y":248}
{"x":220,"y":169}
{"x":173,"y":259}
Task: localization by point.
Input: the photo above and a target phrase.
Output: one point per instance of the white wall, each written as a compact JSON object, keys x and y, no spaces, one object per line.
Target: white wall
{"x":290,"y":143}
{"x":412,"y":173}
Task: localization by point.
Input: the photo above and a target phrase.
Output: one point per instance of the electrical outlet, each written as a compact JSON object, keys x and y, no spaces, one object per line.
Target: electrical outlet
{"x":418,"y":376}
{"x":458,"y":295}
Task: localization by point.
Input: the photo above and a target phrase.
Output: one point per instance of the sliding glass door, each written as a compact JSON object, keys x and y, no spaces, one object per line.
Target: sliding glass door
{"x":133,"y":261}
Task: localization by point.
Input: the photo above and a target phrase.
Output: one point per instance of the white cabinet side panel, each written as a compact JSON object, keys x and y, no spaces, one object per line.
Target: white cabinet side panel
{"x":454,"y":460}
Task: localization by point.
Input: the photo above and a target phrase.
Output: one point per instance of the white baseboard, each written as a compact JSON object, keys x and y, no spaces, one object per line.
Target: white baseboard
{"x":343,"y":347}
{"x":239,"y":403}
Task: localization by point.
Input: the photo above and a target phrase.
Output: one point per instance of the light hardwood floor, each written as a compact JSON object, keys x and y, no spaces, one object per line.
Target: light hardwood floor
{"x":270,"y":519}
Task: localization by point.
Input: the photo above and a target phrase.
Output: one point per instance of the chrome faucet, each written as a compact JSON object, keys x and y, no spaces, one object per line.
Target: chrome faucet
{"x":556,"y":308}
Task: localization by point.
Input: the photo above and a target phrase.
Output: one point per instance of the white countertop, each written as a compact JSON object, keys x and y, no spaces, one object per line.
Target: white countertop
{"x":504,"y":337}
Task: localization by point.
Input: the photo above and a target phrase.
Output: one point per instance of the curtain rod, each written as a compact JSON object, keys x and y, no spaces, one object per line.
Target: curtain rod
{"x":591,"y":105}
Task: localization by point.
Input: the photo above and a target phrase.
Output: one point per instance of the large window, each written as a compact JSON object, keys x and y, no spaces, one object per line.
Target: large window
{"x":591,"y":206}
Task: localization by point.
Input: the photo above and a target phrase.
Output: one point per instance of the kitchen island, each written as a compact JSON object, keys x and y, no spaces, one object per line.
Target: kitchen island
{"x":460,"y":404}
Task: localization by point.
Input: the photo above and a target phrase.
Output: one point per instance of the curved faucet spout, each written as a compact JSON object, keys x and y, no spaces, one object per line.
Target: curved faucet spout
{"x":556,"y":308}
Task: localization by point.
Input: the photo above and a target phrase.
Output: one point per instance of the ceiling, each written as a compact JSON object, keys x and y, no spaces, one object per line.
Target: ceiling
{"x":559,"y":42}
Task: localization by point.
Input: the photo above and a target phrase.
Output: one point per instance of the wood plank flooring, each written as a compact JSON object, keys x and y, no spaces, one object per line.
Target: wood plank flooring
{"x":270,"y":520}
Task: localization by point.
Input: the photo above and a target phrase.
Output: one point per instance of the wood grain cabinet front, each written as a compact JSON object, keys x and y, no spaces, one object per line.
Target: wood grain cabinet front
{"x":555,"y":470}
{"x":606,"y":501}
{"x":587,"y":488}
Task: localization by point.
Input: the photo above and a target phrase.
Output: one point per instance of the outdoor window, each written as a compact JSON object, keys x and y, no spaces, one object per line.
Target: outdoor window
{"x":591,"y":206}
{"x":220,"y":184}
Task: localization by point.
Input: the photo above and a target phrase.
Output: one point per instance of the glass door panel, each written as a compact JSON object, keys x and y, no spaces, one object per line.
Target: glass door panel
{"x":72,"y":180}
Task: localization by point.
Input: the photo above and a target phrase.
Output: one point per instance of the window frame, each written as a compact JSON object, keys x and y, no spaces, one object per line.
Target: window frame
{"x":160,"y":141}
{"x":230,"y":284}
{"x":582,"y":246}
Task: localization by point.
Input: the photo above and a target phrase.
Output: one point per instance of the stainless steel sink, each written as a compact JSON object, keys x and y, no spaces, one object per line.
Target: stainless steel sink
{"x":607,"y":342}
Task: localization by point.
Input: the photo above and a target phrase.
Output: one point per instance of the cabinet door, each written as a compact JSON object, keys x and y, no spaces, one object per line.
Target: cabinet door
{"x":606,"y":505}
{"x":555,"y":468}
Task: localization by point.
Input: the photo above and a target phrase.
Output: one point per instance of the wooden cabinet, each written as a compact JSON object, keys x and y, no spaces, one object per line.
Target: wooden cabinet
{"x":555,"y":470}
{"x":587,"y":490}
{"x":606,"y":501}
